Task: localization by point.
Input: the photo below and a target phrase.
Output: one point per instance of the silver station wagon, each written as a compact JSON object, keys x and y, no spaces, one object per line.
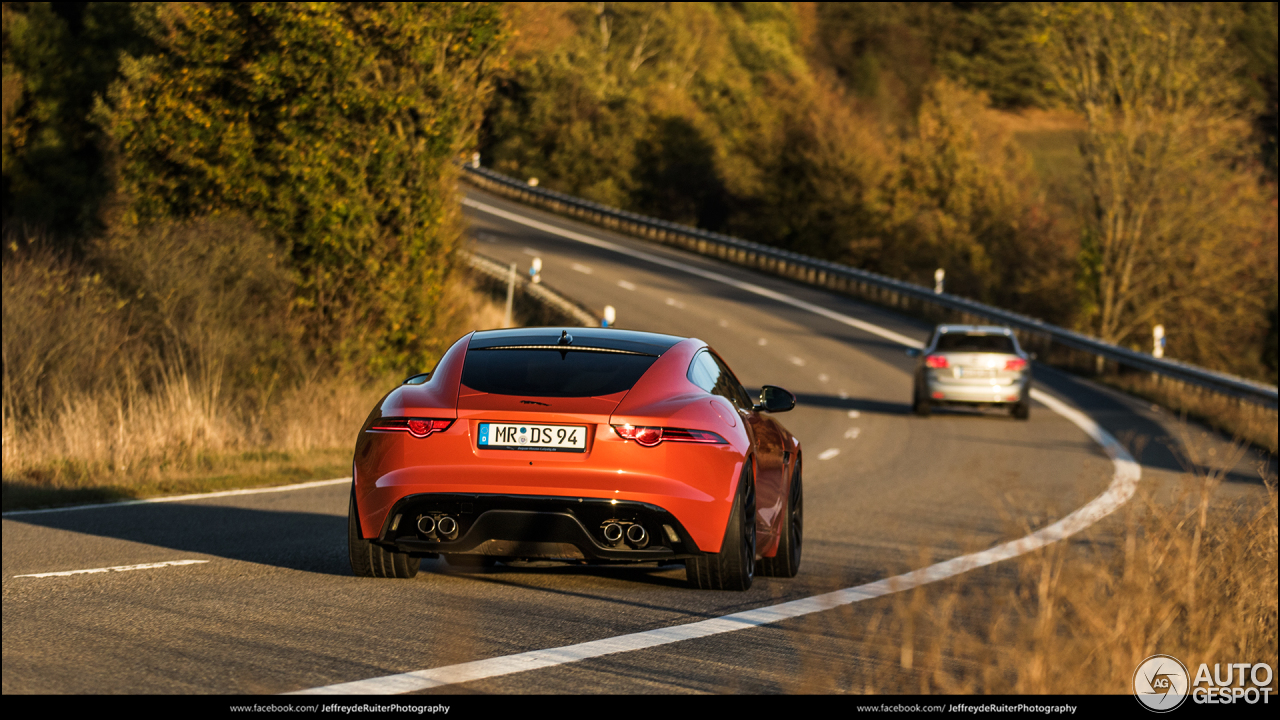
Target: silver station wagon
{"x":972,"y":365}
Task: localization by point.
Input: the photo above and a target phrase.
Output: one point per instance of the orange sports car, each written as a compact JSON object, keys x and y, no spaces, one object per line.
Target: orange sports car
{"x":585,"y":445}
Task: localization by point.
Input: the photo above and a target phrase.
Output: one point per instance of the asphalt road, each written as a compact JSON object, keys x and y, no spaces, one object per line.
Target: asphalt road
{"x":274,"y":607}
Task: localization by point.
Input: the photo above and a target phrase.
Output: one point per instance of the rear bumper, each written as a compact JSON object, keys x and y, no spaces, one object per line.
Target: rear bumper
{"x":532,"y":527}
{"x":694,"y":483}
{"x":988,"y":393}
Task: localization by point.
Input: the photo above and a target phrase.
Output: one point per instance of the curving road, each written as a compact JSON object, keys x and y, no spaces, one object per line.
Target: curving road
{"x":265,"y":602}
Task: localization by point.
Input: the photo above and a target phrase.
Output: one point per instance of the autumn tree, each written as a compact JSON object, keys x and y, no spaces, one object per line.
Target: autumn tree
{"x":336,"y":127}
{"x":1178,"y":231}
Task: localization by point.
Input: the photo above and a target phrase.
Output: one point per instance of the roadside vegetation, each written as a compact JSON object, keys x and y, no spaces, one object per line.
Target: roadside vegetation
{"x":1180,"y":578}
{"x":228,"y":230}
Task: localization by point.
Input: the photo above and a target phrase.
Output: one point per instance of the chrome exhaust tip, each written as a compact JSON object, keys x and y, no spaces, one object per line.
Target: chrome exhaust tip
{"x":447,"y":526}
{"x":426,"y":524}
{"x":637,"y":536}
{"x":613,"y":532}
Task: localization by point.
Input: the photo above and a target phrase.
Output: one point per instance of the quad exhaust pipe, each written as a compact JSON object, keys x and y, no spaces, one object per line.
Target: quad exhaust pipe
{"x":445,"y":527}
{"x":635,"y":534}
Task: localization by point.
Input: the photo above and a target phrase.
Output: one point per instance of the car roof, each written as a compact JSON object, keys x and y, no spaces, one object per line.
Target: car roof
{"x":976,"y":329}
{"x":608,"y":338}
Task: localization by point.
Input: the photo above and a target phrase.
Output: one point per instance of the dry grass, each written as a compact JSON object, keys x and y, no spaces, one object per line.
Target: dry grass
{"x":108,"y":396}
{"x":1181,"y":578}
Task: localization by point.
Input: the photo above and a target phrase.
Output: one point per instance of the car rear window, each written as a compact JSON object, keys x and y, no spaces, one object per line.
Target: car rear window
{"x":963,"y":342}
{"x":553,"y":372}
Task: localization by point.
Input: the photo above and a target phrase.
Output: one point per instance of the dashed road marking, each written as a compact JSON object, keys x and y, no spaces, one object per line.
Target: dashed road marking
{"x":531,"y":251}
{"x":852,"y":433}
{"x":626,"y":285}
{"x":724,"y":323}
{"x":854,"y":413}
{"x":762,"y":342}
{"x":828,"y":453}
{"x":117,"y":568}
{"x":675,"y":303}
{"x":822,"y":377}
{"x":843,"y":395}
{"x":797,"y":361}
{"x":579,"y":267}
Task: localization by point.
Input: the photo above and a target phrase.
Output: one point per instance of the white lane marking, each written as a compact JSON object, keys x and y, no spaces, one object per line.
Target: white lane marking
{"x":828,"y":453}
{"x":708,"y":274}
{"x":182,"y":498}
{"x":822,"y":377}
{"x":844,"y":396}
{"x":1124,"y":483}
{"x":762,"y":342}
{"x":531,"y":251}
{"x":797,"y":361}
{"x":626,"y":285}
{"x":852,"y":433}
{"x":675,"y":303}
{"x":852,"y":413}
{"x":582,"y":268}
{"x":118,"y":568}
{"x":724,"y":323}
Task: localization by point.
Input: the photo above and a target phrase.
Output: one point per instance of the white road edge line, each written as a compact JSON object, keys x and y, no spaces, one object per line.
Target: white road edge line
{"x":1124,"y":482}
{"x":183,"y":498}
{"x":118,"y":568}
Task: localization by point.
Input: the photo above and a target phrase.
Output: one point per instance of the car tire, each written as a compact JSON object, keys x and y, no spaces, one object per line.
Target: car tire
{"x":786,"y":563}
{"x":920,"y":404}
{"x":734,"y":566}
{"x":1022,"y":410}
{"x":471,"y":561}
{"x":371,"y":560}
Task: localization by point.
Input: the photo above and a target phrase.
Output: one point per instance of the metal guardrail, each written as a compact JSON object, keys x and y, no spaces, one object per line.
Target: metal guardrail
{"x":538,"y":292}
{"x":873,"y":286}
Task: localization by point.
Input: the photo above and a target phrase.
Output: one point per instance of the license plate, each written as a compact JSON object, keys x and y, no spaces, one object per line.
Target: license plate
{"x":975,"y":372}
{"x":523,"y":436}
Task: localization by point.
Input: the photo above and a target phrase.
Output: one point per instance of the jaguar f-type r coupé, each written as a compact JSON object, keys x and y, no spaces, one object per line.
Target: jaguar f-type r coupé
{"x":585,"y":445}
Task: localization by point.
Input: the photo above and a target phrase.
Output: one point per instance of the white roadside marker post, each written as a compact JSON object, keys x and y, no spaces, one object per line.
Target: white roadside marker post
{"x":610,"y":315}
{"x":511,"y":295}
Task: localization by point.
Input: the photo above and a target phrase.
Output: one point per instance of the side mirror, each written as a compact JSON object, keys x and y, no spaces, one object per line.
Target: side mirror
{"x":914,"y":352}
{"x":774,"y":399}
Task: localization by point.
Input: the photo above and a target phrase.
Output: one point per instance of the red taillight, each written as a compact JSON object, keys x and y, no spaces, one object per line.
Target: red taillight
{"x":936,"y":361}
{"x":1015,"y":364}
{"x":650,"y":436}
{"x":417,"y":427}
